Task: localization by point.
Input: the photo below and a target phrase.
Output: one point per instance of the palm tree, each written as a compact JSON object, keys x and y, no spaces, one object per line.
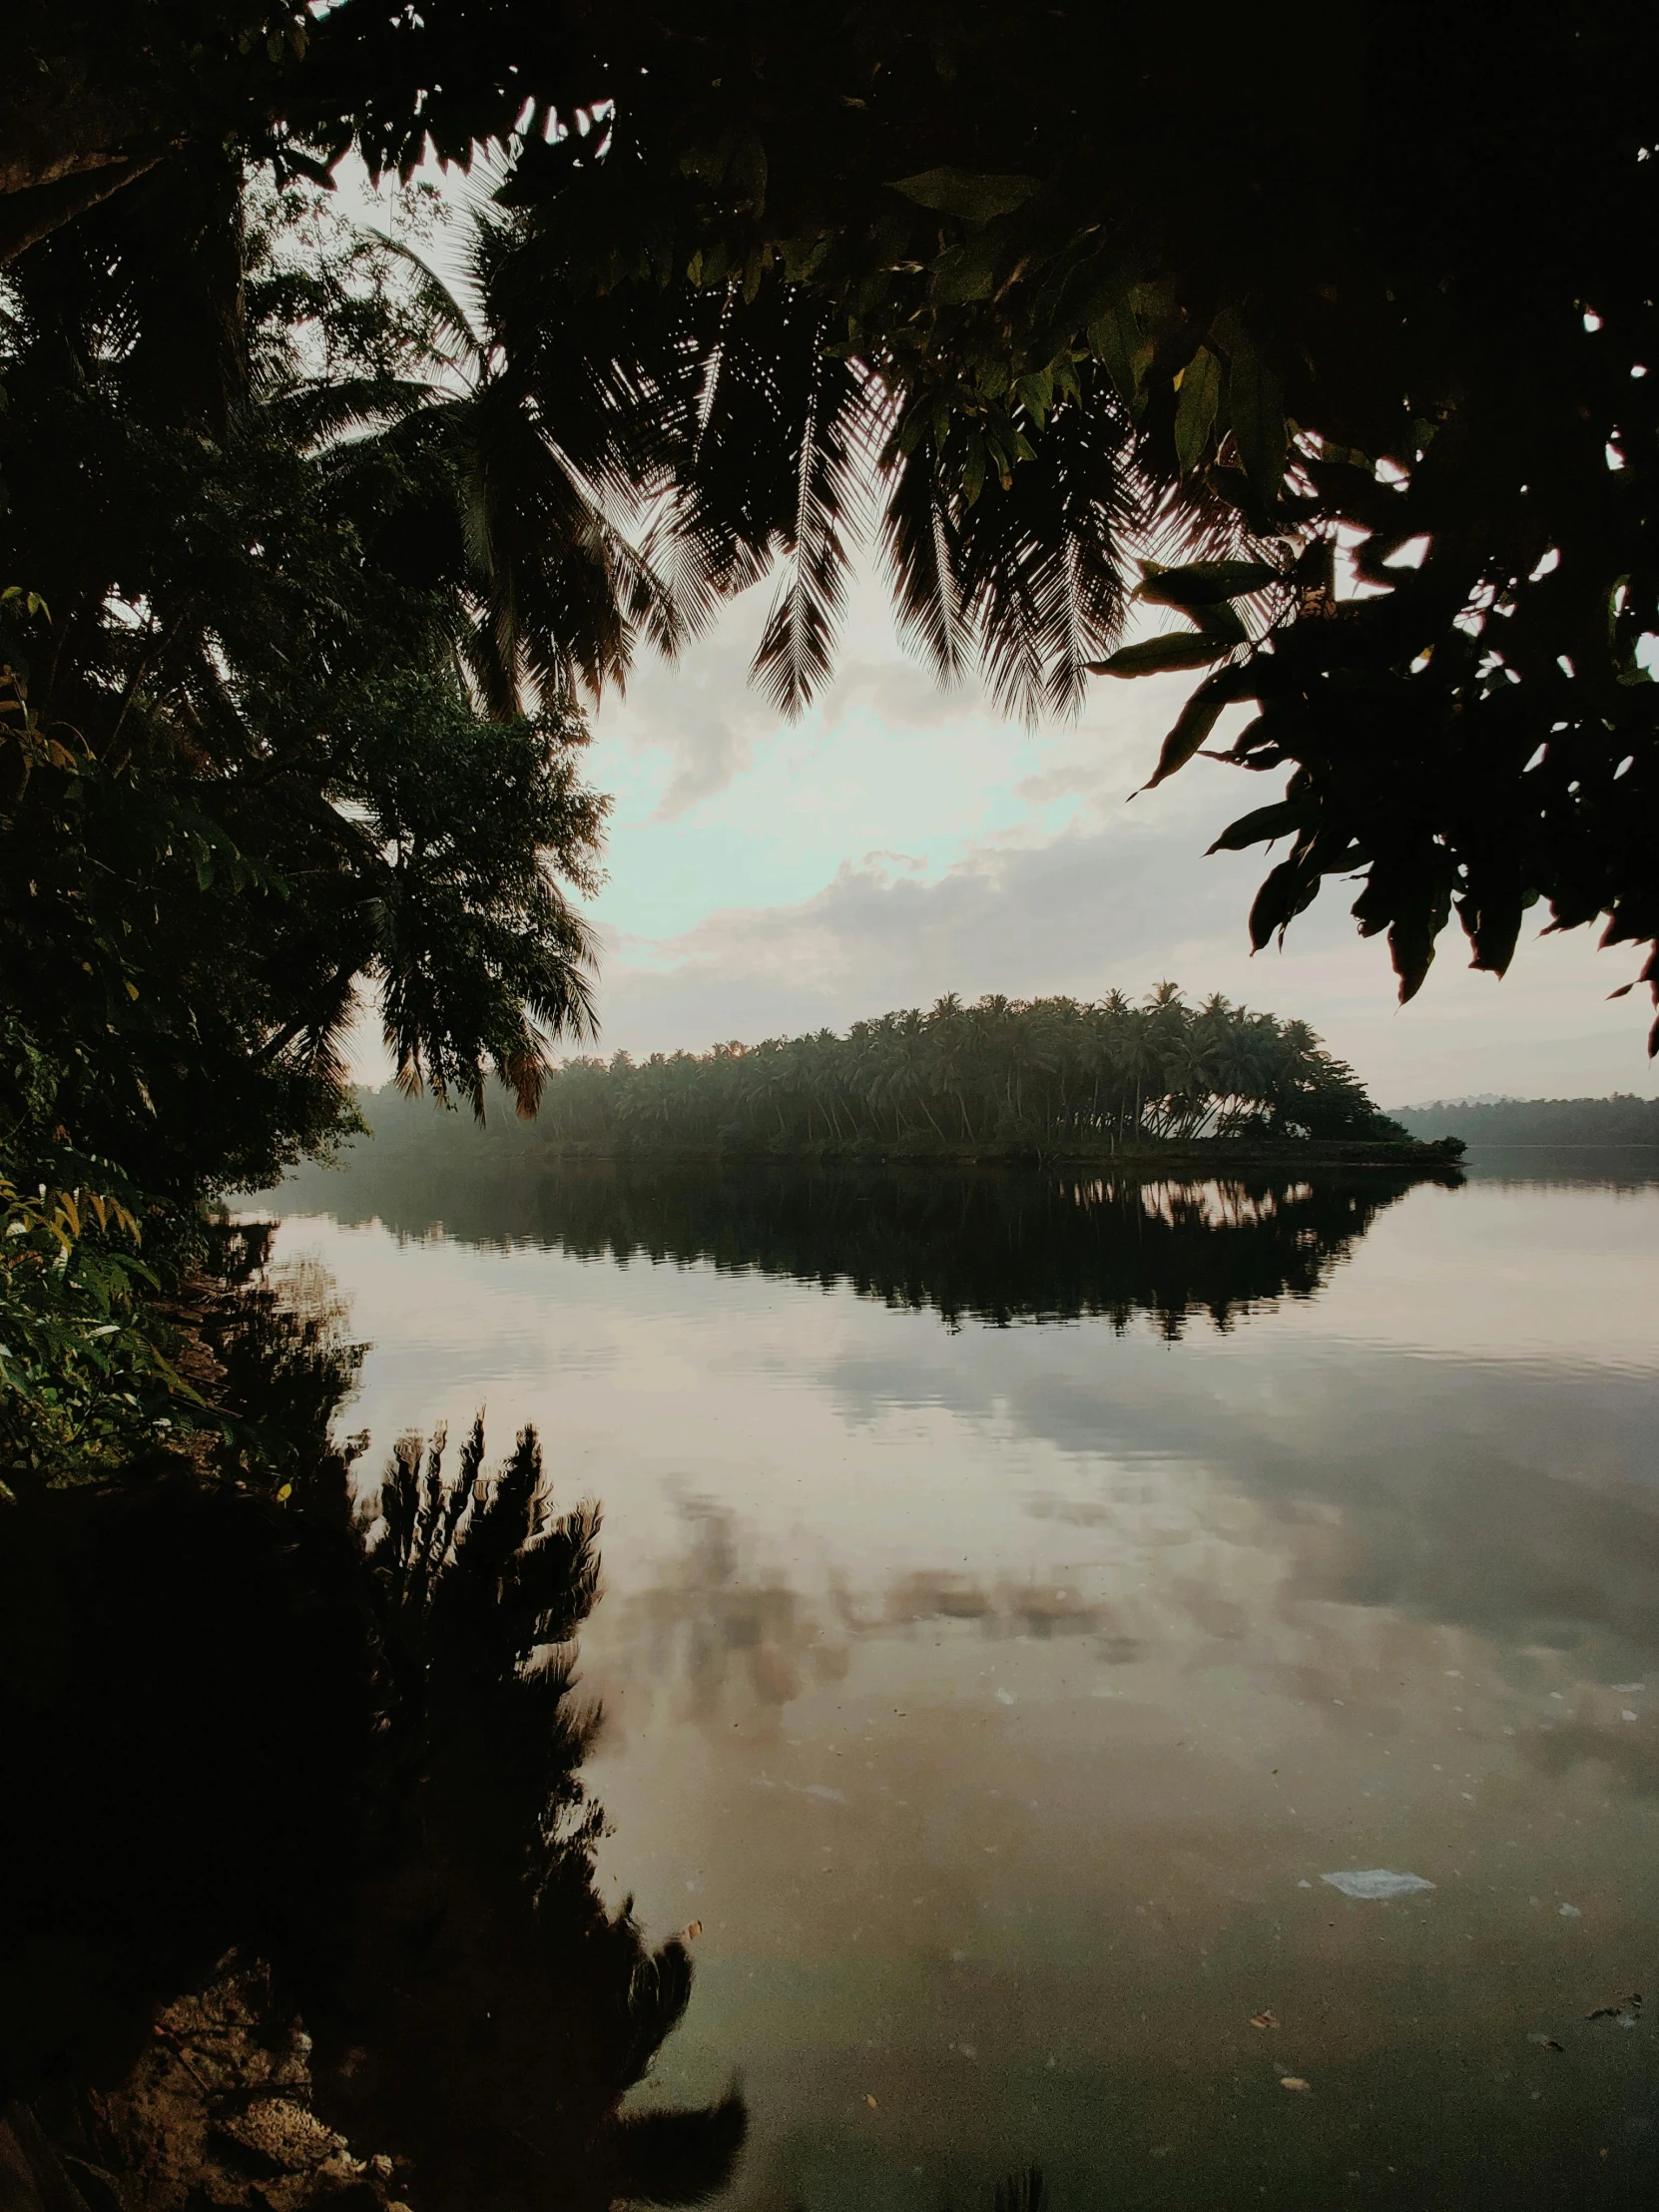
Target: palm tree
{"x":1048,"y":1069}
{"x":560,"y":537}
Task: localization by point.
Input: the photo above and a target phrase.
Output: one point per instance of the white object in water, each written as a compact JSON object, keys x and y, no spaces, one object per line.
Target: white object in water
{"x":1370,"y":1883}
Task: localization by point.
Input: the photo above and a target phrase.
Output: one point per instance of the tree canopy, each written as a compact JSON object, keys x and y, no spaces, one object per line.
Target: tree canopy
{"x":1046,"y":1075}
{"x":247,"y":763}
{"x":257,"y":747}
{"x":1344,"y":322}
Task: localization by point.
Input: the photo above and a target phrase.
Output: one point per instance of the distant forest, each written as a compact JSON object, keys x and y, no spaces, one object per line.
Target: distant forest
{"x":1002,"y":1075}
{"x":1619,"y":1120}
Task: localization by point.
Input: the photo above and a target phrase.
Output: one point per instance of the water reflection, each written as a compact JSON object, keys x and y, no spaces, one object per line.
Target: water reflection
{"x":264,"y":1770}
{"x":995,"y":1244}
{"x":997,"y":1698}
{"x":1623,"y":1167}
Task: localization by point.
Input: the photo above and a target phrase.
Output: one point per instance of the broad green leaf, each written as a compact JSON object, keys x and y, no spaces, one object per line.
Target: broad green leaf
{"x":1203,"y":583}
{"x":1195,"y":722}
{"x":1260,"y":826}
{"x":1285,"y":890}
{"x":1036,"y":392}
{"x":1256,"y":405}
{"x":1195,"y":412}
{"x":1154,"y":656}
{"x":973,"y":470}
{"x":1115,"y":340}
{"x":964,"y":272}
{"x":960,"y":191}
{"x":1221,"y":621}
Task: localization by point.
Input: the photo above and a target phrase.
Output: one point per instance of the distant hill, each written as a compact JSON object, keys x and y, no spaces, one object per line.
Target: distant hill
{"x":1620,"y":1120}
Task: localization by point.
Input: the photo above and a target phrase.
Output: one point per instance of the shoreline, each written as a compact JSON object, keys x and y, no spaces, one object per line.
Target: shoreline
{"x":1204,"y":1153}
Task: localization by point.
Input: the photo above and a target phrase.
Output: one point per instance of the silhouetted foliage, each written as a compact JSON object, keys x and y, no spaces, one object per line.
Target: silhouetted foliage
{"x":1001,"y":1245}
{"x":1003,"y":1075}
{"x":188,"y":1721}
{"x":360,"y":1766}
{"x":1086,"y":319}
{"x":247,"y":763}
{"x":1195,"y":336}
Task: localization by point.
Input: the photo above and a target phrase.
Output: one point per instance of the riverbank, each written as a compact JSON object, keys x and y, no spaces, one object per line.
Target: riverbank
{"x":1204,"y":1155}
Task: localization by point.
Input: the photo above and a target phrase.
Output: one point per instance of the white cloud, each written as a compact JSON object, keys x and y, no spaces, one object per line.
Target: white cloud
{"x":1123,"y":905}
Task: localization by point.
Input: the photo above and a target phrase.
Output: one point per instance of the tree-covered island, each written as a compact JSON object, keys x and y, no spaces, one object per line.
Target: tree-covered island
{"x":1160,"y":1082}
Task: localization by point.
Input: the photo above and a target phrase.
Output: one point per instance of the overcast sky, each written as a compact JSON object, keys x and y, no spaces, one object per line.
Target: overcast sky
{"x":768,"y":877}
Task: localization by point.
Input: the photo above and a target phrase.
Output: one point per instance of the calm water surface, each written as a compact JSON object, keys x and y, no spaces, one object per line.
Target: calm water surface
{"x":1022,"y":1593}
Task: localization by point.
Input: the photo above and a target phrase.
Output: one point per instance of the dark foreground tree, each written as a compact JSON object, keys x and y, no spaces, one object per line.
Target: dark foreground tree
{"x":1342,"y":324}
{"x":1073,"y":312}
{"x":358,"y":1763}
{"x":246,"y":765}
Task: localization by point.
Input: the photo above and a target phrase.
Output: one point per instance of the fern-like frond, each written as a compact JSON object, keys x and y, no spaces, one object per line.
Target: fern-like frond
{"x":919,"y":540}
{"x":1043,"y":557}
{"x":836,"y":410}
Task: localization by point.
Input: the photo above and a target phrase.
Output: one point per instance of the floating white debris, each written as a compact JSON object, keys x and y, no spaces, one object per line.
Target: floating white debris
{"x":1006,"y":1697}
{"x":1571,"y":1913}
{"x":1370,"y":1882}
{"x":802,"y":1789}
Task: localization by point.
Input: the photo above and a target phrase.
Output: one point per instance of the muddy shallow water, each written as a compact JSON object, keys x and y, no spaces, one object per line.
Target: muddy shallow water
{"x":1007,"y":1627}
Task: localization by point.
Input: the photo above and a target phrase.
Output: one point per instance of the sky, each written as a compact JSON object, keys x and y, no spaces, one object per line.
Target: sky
{"x":900,"y":841}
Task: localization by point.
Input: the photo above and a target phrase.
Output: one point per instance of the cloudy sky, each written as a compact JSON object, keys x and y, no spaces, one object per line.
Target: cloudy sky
{"x":900,"y":841}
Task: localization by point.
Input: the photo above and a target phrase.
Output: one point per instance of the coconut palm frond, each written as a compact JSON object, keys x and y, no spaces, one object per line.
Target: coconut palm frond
{"x":837,"y":414}
{"x":920,"y":542}
{"x":1042,"y":559}
{"x":321,"y":413}
{"x":447,"y":314}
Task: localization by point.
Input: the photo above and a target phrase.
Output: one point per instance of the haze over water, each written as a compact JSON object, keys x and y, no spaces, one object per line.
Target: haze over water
{"x":1022,"y":1590}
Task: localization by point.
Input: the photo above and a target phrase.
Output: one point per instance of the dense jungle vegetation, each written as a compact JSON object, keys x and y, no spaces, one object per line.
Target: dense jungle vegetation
{"x":1047,"y":1075}
{"x":257,"y":752}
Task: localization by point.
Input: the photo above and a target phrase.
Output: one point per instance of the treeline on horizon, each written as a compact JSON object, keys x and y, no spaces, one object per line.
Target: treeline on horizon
{"x":1621,"y":1119}
{"x":1001,"y":1074}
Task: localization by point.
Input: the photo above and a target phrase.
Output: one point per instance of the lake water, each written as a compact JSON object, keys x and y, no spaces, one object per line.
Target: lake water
{"x":1021,"y":1591}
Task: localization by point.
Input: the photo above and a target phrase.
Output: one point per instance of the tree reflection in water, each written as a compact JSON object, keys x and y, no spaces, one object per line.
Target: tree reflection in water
{"x":236,"y":1727}
{"x":998,"y":1245}
{"x":494,"y":2015}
